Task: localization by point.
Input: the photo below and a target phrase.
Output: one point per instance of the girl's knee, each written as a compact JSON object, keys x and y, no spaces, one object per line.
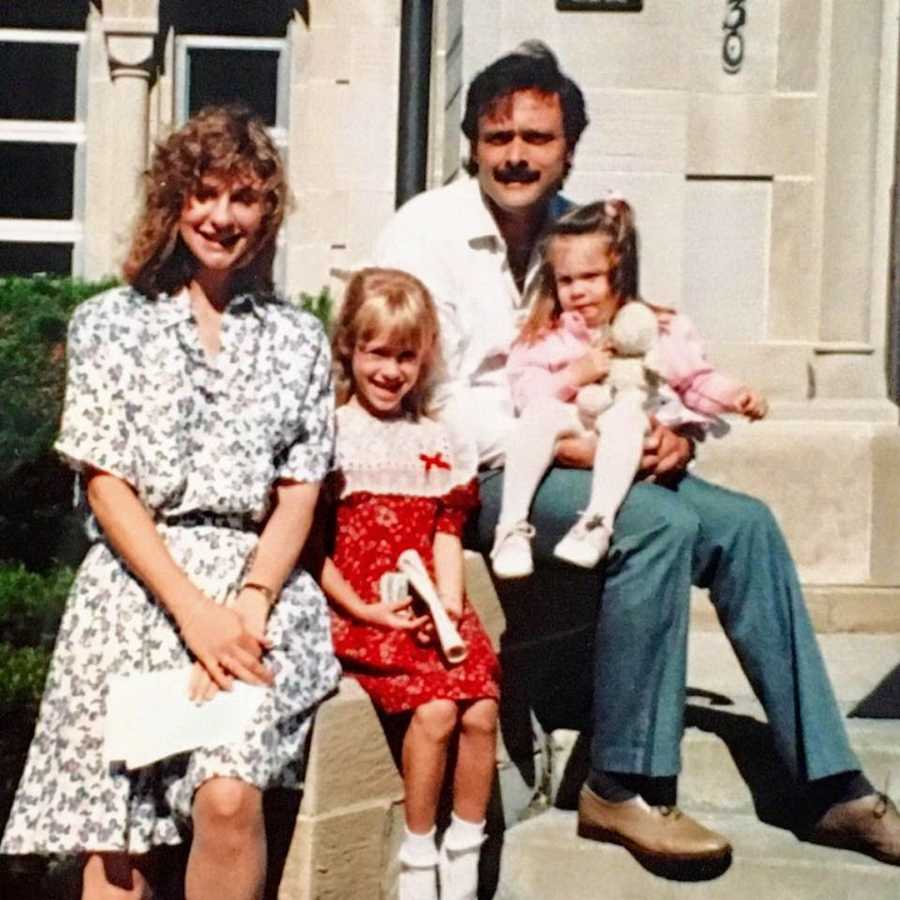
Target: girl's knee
{"x":437,"y":719}
{"x":480,"y":718}
{"x":228,"y":803}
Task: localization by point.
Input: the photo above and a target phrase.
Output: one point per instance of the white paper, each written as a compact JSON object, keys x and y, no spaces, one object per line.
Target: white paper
{"x":150,"y":716}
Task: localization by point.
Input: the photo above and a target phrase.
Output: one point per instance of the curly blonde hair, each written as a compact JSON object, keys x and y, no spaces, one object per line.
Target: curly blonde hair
{"x":224,"y":141}
{"x":379,"y":301}
{"x":612,"y":220}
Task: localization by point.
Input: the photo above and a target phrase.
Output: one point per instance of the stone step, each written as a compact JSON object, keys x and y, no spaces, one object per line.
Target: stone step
{"x":543,"y":859}
{"x":729,"y":763}
{"x":832,"y":608}
{"x":858,"y":665}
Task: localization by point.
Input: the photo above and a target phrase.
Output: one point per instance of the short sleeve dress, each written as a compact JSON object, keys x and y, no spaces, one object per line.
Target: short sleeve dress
{"x":202,"y":441}
{"x":398,"y":483}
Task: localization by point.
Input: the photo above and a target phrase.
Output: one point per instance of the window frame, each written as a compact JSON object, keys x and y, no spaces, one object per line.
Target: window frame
{"x":47,"y":131}
{"x":184,"y":43}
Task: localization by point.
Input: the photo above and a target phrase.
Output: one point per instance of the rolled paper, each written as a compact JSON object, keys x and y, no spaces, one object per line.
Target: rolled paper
{"x":453,"y":646}
{"x":392,"y":587}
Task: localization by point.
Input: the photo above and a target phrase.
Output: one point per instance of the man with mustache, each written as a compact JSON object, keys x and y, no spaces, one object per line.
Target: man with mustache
{"x":474,"y":244}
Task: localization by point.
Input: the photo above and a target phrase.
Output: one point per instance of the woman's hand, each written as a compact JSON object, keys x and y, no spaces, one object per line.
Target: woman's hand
{"x":223,"y":644}
{"x":253,"y":608}
{"x":593,"y":366}
{"x":201,"y":687}
{"x":751,"y":404}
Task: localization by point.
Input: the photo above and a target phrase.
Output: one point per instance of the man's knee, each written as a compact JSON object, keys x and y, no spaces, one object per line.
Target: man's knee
{"x":653,"y":515}
{"x":749,"y":519}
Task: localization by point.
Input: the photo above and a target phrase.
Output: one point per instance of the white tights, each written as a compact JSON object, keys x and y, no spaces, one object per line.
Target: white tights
{"x":531,"y":445}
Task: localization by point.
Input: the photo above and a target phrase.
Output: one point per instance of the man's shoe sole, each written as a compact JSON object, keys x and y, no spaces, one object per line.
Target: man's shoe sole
{"x":607,"y":836}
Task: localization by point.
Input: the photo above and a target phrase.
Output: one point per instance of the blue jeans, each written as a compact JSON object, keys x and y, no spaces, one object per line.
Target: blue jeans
{"x":665,"y":539}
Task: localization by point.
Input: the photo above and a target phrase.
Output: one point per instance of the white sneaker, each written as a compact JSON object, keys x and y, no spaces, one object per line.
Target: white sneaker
{"x":586,"y":543}
{"x":511,"y":555}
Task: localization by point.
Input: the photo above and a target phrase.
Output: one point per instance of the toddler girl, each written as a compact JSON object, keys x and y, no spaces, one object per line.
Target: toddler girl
{"x":404,"y":482}
{"x":589,"y":274}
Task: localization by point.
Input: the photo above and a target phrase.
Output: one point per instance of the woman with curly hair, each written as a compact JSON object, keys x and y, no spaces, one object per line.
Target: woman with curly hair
{"x":198,"y":415}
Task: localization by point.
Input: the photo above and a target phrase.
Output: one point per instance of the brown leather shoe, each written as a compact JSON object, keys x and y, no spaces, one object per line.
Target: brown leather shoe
{"x":659,"y":832}
{"x":869,"y":825}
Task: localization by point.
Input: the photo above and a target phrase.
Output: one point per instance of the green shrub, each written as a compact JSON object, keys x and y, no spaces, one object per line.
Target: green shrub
{"x":34,"y":314}
{"x":35,"y":488}
{"x":31,"y":604}
{"x":321,"y":305}
{"x":23,"y":671}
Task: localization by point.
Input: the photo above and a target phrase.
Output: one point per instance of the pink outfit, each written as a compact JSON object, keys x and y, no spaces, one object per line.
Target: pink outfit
{"x":538,"y":371}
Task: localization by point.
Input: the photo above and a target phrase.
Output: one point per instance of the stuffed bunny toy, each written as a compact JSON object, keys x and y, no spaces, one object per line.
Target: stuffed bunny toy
{"x":633,"y":335}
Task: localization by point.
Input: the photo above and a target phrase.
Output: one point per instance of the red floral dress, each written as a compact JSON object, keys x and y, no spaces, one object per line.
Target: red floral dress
{"x":399,"y":482}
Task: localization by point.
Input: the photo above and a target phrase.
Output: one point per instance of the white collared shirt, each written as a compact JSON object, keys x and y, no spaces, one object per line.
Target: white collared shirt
{"x":448,"y":239}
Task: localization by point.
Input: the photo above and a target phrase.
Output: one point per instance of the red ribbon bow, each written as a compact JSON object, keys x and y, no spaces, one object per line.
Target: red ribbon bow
{"x":436,"y":460}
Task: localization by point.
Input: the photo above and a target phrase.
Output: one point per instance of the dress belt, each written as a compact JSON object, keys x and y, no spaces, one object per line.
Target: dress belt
{"x":234,"y":521}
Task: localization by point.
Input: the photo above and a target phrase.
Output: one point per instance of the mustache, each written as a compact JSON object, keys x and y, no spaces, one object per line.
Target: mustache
{"x":516,"y":174}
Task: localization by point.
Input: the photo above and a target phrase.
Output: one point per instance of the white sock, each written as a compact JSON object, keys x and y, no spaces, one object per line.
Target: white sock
{"x":460,"y":851}
{"x":418,"y":867}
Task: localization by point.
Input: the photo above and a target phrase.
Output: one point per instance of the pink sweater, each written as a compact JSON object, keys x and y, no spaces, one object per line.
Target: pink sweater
{"x":537,"y":371}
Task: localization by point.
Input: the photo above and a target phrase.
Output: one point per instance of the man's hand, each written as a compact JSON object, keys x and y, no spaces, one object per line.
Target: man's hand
{"x":577,"y":452}
{"x":665,"y":452}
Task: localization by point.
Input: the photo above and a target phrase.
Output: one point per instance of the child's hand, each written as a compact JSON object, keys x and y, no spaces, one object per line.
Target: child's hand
{"x":751,"y":404}
{"x":593,"y":366}
{"x":396,"y":615}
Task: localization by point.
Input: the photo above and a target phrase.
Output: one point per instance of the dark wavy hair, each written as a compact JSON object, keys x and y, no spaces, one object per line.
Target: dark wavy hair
{"x":531,"y":66}
{"x":226,"y":141}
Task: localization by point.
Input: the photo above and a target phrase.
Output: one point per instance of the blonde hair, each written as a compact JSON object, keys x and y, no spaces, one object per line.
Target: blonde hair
{"x":612,"y":220}
{"x":225,"y":141}
{"x":379,"y":301}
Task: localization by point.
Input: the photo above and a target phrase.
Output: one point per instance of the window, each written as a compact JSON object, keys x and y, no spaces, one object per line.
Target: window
{"x":218,"y":69}
{"x":42,"y":137}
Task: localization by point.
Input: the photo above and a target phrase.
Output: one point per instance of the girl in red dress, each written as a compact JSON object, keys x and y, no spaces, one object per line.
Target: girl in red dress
{"x":404,"y":482}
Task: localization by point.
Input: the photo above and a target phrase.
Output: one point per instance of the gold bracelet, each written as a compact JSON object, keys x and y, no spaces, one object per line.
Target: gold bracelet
{"x":263,"y":589}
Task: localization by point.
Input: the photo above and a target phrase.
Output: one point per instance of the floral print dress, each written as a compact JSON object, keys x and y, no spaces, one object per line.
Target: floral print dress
{"x":202,"y":441}
{"x":399,"y":482}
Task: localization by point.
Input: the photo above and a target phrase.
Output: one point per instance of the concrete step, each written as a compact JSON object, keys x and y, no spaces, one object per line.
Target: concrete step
{"x":543,"y":859}
{"x":832,"y":608}
{"x":729,"y":763}
{"x":857,"y":664}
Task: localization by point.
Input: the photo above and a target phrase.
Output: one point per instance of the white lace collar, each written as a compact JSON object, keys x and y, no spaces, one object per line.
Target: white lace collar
{"x":399,"y":456}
